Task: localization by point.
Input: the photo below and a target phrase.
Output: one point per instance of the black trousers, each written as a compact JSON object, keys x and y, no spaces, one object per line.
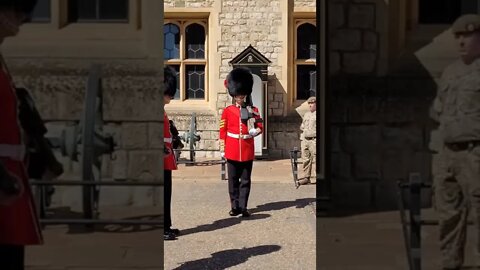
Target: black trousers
{"x":239,"y":182}
{"x":12,"y":257}
{"x":167,"y":196}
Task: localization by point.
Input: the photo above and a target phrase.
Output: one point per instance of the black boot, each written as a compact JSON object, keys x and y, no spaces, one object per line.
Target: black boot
{"x":167,"y":235}
{"x":235,"y":212}
{"x":174,"y":231}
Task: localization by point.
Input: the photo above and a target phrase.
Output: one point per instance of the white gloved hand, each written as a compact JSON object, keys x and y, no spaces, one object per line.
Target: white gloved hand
{"x":222,"y":154}
{"x":253,"y":132}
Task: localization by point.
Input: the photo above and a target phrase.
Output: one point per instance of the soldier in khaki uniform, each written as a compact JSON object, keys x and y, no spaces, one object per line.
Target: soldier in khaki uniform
{"x":309,"y":141}
{"x":456,"y":167}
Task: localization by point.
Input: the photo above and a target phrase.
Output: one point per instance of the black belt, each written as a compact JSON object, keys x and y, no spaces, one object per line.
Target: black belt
{"x":462,"y":146}
{"x":309,"y":138}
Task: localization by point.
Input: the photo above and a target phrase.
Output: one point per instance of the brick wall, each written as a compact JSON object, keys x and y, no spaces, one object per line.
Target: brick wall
{"x":381,"y":130}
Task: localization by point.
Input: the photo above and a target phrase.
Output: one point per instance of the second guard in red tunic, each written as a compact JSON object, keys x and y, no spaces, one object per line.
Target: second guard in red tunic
{"x":19,"y":224}
{"x":169,"y":160}
{"x":240,"y":123}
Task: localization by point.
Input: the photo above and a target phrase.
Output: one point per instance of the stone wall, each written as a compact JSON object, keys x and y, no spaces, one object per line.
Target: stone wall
{"x":353,"y":38}
{"x":381,"y":129}
{"x":188,"y":3}
{"x":132,"y":114}
{"x":253,"y":23}
{"x":304,"y":3}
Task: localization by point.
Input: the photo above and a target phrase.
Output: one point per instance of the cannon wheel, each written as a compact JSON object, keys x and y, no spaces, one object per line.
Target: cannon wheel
{"x":92,"y":122}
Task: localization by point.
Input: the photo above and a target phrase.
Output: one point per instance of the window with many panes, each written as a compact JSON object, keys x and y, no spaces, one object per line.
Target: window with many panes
{"x":42,"y":12}
{"x":304,"y":60}
{"x":98,"y":10}
{"x":185,"y":49}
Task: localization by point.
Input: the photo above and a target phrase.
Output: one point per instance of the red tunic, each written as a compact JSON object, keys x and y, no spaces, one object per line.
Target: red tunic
{"x":231,"y":129}
{"x":169,"y":161}
{"x":19,"y":224}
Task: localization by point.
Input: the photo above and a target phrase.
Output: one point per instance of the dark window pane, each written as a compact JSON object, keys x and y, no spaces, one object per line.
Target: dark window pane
{"x":306,"y":46}
{"x":313,"y":83}
{"x":195,"y":40}
{"x":313,"y":51}
{"x":195,"y":81}
{"x":171,"y":41}
{"x":177,"y":69}
{"x":98,"y":10}
{"x":441,"y":11}
{"x":42,"y":11}
{"x":470,"y":7}
{"x":306,"y":81}
{"x":83,"y":9}
{"x":113,"y":9}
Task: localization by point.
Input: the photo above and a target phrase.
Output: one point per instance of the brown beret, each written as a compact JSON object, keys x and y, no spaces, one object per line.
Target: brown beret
{"x":466,"y":24}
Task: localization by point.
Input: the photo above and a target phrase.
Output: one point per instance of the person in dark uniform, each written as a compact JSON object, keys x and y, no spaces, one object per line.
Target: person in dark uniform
{"x":240,"y":123}
{"x":169,"y":160}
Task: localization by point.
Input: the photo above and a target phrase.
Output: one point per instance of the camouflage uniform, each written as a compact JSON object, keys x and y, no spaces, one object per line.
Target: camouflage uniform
{"x":456,"y":167}
{"x":308,"y":143}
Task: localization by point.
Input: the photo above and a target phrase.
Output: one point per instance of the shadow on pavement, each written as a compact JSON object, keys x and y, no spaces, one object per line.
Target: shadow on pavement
{"x":228,"y":258}
{"x":222,"y":223}
{"x":228,"y":222}
{"x":216,"y":225}
{"x":299,"y":203}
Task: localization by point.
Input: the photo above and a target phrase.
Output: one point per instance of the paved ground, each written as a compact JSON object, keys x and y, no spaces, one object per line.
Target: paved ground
{"x":279,"y":235}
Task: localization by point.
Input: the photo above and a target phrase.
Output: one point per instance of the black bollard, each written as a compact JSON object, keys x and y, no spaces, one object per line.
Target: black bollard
{"x":415,"y":219}
{"x":293,"y":160}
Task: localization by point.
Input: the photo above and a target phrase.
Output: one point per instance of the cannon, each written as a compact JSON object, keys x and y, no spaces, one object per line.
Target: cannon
{"x":190,"y":138}
{"x":86,"y":142}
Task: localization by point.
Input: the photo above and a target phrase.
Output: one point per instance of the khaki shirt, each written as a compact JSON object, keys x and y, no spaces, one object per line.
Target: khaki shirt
{"x":457,"y":104}
{"x":309,"y":125}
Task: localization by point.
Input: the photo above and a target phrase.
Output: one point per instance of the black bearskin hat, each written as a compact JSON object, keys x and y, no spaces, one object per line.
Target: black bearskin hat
{"x":170,"y":81}
{"x":25,"y":6}
{"x":239,"y":82}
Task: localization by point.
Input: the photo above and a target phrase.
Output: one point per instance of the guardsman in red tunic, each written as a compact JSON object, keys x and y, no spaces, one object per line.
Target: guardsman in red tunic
{"x":240,"y":123}
{"x":169,"y":160}
{"x":19,"y":224}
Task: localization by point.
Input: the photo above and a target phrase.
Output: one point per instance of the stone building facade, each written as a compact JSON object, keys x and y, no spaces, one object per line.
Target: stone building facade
{"x":227,"y":28}
{"x":52,"y":56}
